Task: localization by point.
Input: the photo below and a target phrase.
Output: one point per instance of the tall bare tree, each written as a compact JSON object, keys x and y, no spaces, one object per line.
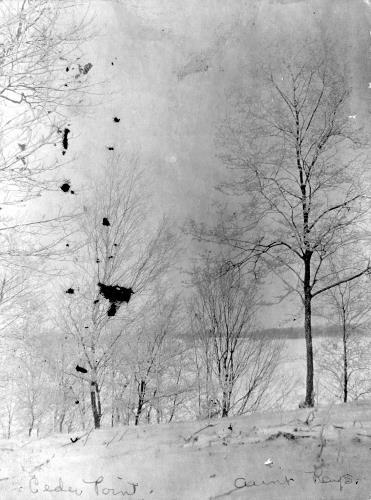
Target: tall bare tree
{"x":297,"y":175}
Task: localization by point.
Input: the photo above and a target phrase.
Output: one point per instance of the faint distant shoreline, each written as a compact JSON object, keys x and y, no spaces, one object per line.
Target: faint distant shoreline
{"x":318,"y":331}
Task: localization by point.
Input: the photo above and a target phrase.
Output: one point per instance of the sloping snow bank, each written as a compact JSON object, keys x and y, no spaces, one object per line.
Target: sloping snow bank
{"x":325,"y":454}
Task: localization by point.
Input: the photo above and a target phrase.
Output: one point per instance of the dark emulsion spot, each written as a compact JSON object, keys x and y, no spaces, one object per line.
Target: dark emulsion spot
{"x":81,"y":369}
{"x":65,"y":140}
{"x":116,"y":295}
{"x":85,"y":69}
{"x":112,"y":310}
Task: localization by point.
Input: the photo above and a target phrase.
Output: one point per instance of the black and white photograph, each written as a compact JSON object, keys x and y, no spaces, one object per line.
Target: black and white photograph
{"x":185,"y":249}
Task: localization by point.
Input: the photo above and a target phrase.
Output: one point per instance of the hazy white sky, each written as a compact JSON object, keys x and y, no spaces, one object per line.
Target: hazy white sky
{"x":167,"y":68}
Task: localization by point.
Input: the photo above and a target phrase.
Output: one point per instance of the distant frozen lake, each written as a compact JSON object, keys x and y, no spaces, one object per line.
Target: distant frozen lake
{"x":293,"y":367}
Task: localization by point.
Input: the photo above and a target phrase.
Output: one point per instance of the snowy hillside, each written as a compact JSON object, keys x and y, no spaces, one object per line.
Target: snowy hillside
{"x":303,"y":454}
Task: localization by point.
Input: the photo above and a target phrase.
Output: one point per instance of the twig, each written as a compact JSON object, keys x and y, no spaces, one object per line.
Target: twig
{"x":38,"y":467}
{"x":109,"y":442}
{"x":287,"y":435}
{"x":322,"y":443}
{"x":197,"y":432}
{"x":225,"y":494}
{"x":311,"y":416}
{"x":88,"y":434}
{"x":123,"y":434}
{"x":364,"y":435}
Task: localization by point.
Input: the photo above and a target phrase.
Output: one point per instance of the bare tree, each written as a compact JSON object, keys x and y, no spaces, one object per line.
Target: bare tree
{"x":121,"y":256}
{"x":298,"y":179}
{"x":202,"y":363}
{"x":39,"y":44}
{"x":33,"y":389}
{"x":348,"y":304}
{"x":243,"y":363}
{"x":155,"y":351}
{"x":39,"y":40}
{"x":10,"y":402}
{"x":55,"y":349}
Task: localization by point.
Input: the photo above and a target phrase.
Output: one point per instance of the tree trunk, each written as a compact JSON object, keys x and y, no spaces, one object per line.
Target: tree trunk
{"x":345,"y":365}
{"x":148,"y":416}
{"x":30,"y":429}
{"x":97,"y":391}
{"x":208,"y":379}
{"x":95,"y":404}
{"x":225,"y":405}
{"x":226,"y":399}
{"x":159,"y":410}
{"x":61,"y":420}
{"x":225,"y":386}
{"x":82,"y":405}
{"x":309,"y":396}
{"x":142,"y":392}
{"x":113,"y":398}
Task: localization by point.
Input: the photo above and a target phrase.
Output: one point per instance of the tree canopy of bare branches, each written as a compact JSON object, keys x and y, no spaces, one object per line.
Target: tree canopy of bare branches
{"x":296,"y":167}
{"x":39,"y":41}
{"x":223,"y":309}
{"x":119,"y":250}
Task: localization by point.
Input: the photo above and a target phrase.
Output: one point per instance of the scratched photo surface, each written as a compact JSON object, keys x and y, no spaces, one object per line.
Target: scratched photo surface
{"x":185,"y":294}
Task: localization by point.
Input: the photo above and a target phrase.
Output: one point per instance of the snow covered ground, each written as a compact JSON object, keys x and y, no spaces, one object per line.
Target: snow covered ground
{"x":325,"y":454}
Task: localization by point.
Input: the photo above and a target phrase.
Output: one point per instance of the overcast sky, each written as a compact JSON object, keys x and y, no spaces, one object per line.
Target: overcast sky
{"x":167,"y":68}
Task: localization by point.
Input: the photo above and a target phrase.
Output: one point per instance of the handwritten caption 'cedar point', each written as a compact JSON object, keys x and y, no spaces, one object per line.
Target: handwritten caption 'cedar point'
{"x":94,"y":487}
